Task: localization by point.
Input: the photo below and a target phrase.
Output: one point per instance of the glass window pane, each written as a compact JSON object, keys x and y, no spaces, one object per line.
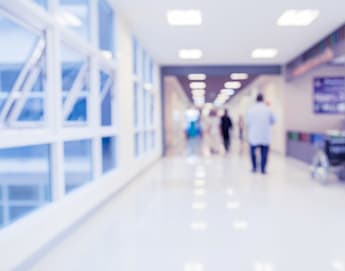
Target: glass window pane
{"x":42,"y":3}
{"x":106,"y":98}
{"x":22,"y":74}
{"x":136,"y":144}
{"x":136,"y":105}
{"x":135,"y":56}
{"x":24,"y":180}
{"x":108,"y":153}
{"x":106,"y":27}
{"x":78,"y":164}
{"x":75,"y":86}
{"x":74,"y":14}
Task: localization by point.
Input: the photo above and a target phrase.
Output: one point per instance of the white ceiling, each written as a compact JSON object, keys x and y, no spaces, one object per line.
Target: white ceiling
{"x":231,"y":28}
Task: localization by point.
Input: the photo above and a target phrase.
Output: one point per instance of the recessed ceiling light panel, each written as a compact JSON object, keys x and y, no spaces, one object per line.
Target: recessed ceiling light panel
{"x":190,"y":54}
{"x":233,"y":85}
{"x":294,"y":17}
{"x":197,"y":77}
{"x":239,"y":76}
{"x":197,"y":85}
{"x":265,"y":53}
{"x":190,"y":17}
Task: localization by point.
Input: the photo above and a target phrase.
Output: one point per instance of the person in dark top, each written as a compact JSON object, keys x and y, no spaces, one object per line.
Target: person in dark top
{"x":225,"y":128}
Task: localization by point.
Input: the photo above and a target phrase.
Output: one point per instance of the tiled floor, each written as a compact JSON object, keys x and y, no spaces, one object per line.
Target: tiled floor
{"x":212,"y":214}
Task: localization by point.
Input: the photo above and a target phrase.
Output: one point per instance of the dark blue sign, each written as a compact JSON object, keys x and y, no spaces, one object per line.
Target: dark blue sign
{"x":329,"y":95}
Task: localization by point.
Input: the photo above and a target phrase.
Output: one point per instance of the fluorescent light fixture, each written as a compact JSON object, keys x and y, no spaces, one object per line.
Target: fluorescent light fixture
{"x":68,"y":19}
{"x":240,"y":225}
{"x":190,"y":54}
{"x":197,"y":77}
{"x":233,"y":205}
{"x":197,"y":85}
{"x":265,"y":53}
{"x":294,"y":17}
{"x":200,"y":192}
{"x":199,"y":205}
{"x":228,"y":91}
{"x":233,"y":85}
{"x":107,"y":54}
{"x":195,"y":266}
{"x":198,"y":92}
{"x":263,"y":266}
{"x":189,"y":17}
{"x":239,"y":76}
{"x":199,"y":226}
{"x":199,"y":183}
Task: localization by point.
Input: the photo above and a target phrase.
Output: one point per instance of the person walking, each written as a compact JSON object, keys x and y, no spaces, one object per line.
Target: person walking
{"x":225,"y":128}
{"x":260,"y":119}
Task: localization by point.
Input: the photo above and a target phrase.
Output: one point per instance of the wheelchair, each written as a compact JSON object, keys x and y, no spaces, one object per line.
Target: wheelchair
{"x":329,"y":159}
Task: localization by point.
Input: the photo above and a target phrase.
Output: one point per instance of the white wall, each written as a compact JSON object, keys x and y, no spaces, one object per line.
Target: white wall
{"x":299,"y":103}
{"x":175,"y":105}
{"x":21,"y":240}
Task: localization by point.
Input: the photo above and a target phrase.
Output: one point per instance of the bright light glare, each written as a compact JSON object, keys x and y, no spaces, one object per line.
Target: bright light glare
{"x":68,"y":19}
{"x":193,"y":267}
{"x":233,"y":205}
{"x":338,"y":265}
{"x":295,"y":17}
{"x":239,"y":76}
{"x":240,"y":225}
{"x":233,"y":85}
{"x":200,"y":192}
{"x":199,"y":226}
{"x":227,"y":91}
{"x":197,"y":85}
{"x":184,"y":17}
{"x":230,"y":192}
{"x":265,"y":53}
{"x":190,"y":54}
{"x":199,"y":205}
{"x":262,"y":266}
{"x":197,"y":76}
{"x":199,"y":183}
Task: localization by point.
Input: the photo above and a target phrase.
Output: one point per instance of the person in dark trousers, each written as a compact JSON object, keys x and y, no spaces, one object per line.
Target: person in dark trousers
{"x":260,"y":120}
{"x":225,"y":128}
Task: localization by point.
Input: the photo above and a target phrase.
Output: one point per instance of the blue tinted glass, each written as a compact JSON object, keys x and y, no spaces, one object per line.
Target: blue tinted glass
{"x":106,"y":26}
{"x":136,"y":105}
{"x":33,"y":110}
{"x":135,"y":56}
{"x":75,"y":85}
{"x":22,"y":73}
{"x":42,"y":3}
{"x":136,"y":144}
{"x":1,"y":216}
{"x":153,"y":140}
{"x":79,"y":111}
{"x":24,"y":180}
{"x":74,"y":14}
{"x":78,"y":164}
{"x":152,"y":109}
{"x":106,"y":99}
{"x":108,"y":153}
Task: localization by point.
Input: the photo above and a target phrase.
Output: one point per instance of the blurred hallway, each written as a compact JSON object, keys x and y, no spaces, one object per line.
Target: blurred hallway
{"x":197,"y":214}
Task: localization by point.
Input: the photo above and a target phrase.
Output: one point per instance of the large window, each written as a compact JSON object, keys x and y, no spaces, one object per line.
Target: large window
{"x":74,"y":14}
{"x":24,"y":181}
{"x":75,"y":86}
{"x":22,"y":75}
{"x":144,"y":89}
{"x":78,"y":164}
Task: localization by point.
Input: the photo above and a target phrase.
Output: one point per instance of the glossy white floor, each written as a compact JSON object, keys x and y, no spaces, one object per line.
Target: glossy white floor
{"x":211,"y":214}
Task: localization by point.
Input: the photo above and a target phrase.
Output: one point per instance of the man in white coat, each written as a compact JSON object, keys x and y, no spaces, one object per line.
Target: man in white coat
{"x":260,"y":119}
